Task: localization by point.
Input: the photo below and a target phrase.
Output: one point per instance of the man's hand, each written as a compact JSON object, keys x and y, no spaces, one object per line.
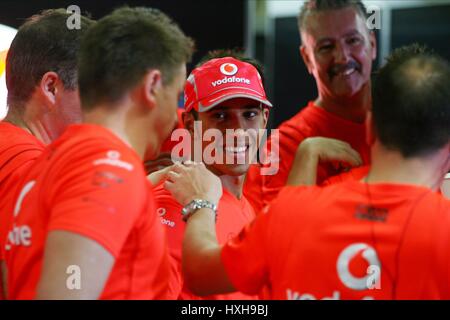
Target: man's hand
{"x":157,"y":176}
{"x":164,"y":160}
{"x":315,"y":150}
{"x":191,"y":181}
{"x":327,"y":149}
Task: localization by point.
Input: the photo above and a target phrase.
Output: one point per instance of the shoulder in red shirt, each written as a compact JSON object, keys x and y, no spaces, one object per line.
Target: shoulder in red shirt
{"x":18,"y":150}
{"x":233,"y":214}
{"x":346,"y":241}
{"x":90,"y":183}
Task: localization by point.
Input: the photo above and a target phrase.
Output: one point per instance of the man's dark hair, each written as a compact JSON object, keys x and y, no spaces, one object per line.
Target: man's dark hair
{"x":43,"y":43}
{"x":314,"y":6}
{"x":411,"y":102}
{"x":233,"y":53}
{"x":122,"y":47}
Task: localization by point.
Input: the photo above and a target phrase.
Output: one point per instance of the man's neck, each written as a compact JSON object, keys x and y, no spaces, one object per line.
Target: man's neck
{"x":32,"y":125}
{"x":391,"y":167}
{"x":119,"y":123}
{"x":233,"y":184}
{"x":353,"y":108}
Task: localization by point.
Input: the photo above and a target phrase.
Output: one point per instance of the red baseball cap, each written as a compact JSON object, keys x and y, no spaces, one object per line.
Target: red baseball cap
{"x":222,"y":79}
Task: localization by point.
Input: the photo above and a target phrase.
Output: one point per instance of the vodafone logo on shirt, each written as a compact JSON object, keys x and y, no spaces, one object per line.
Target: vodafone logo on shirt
{"x":113,"y":159}
{"x":20,"y":235}
{"x":369,"y":255}
{"x":357,"y":254}
{"x":161,"y":213}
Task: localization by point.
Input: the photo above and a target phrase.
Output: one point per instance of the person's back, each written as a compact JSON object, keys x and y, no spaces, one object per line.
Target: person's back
{"x":18,"y":150}
{"x":86,"y":160}
{"x":354,"y":241}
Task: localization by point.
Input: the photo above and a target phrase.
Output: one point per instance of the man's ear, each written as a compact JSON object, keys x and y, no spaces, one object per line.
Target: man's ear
{"x":188,"y":121}
{"x":370,"y":129}
{"x":48,"y":88}
{"x":152,"y":85}
{"x":266,"y":113}
{"x":305,"y":56}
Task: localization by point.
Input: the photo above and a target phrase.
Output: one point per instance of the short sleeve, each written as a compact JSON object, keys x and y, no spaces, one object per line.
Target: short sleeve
{"x":99,"y":195}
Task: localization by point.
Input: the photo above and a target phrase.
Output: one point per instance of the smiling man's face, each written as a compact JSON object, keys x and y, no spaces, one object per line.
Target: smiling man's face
{"x":243,"y":116}
{"x":338,"y":50}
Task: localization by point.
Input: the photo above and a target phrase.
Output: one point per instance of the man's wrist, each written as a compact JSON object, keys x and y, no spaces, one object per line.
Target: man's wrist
{"x":214,"y":200}
{"x":196,"y":205}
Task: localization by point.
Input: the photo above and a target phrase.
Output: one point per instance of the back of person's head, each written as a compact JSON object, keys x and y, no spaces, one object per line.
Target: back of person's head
{"x":122,"y":47}
{"x":315,"y":6}
{"x":42,"y":44}
{"x":411,"y":102}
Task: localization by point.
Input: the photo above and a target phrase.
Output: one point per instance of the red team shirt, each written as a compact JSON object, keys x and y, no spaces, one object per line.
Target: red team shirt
{"x":18,"y":150}
{"x":312,"y":121}
{"x":90,"y":183}
{"x":233,"y":215}
{"x":333,"y":242}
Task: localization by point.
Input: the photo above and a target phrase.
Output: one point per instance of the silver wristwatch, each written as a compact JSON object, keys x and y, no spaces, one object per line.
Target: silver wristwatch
{"x":195,"y":205}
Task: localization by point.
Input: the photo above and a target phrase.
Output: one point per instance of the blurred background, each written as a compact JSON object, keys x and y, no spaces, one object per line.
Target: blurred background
{"x":265,"y":29}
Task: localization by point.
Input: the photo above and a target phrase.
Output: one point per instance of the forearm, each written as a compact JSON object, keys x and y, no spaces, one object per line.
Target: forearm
{"x":203,"y":271}
{"x":74,"y":267}
{"x":303,"y":170}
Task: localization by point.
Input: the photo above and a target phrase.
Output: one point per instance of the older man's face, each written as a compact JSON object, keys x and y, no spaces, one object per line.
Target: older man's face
{"x":338,"y":50}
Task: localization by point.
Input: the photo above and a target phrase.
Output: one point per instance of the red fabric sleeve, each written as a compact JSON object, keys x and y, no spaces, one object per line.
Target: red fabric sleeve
{"x":99,"y":200}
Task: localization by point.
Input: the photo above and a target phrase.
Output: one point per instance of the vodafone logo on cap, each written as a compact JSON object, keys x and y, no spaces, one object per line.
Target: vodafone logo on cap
{"x":229,"y":69}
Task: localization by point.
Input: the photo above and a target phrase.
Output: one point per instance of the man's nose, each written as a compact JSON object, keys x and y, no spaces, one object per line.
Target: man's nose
{"x":341,"y":54}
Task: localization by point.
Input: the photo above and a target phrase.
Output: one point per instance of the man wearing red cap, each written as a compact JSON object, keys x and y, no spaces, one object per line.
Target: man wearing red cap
{"x":224,"y":93}
{"x":383,"y":237}
{"x":338,"y":50}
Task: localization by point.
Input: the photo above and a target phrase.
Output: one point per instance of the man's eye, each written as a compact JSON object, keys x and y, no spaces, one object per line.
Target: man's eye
{"x":219,"y":116}
{"x":354,"y":40}
{"x":250,"y":114}
{"x":324,"y":48}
